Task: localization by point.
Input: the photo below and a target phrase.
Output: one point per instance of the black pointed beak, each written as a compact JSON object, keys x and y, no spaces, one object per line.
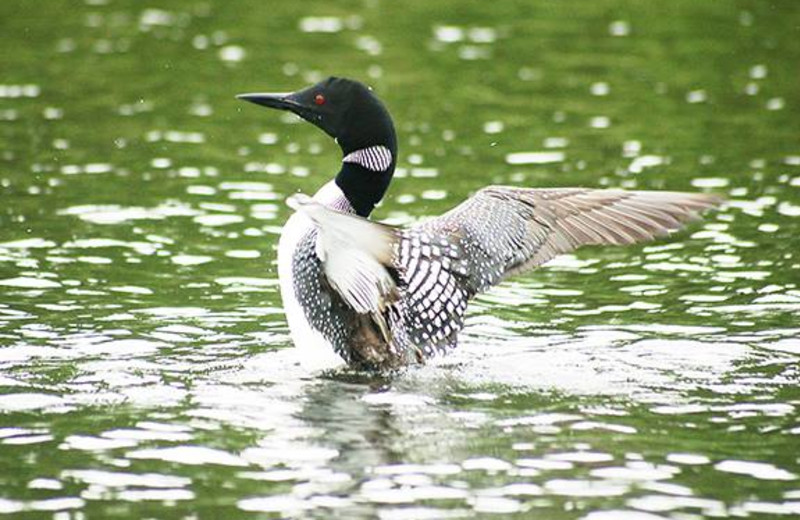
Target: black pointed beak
{"x":278,"y":100}
{"x":301,"y":103}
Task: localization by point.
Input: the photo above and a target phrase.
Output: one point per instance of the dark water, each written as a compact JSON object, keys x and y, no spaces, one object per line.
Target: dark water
{"x":146,"y":369}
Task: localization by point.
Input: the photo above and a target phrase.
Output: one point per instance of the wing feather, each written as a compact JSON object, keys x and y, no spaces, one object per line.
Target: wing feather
{"x":509,"y":230}
{"x":357,"y":257}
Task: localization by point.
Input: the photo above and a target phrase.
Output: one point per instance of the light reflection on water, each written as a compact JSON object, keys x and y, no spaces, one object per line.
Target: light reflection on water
{"x":144,"y":363}
{"x":560,"y":393}
{"x":594,"y":402}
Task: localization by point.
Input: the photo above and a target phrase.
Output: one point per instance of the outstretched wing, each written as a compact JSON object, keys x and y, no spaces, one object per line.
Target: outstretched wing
{"x":503,"y":231}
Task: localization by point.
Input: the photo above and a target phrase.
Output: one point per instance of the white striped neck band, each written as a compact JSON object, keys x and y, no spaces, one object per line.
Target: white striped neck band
{"x":375,"y":158}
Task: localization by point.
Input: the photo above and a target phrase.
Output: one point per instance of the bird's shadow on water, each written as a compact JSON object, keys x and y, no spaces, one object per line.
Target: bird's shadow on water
{"x":373,"y":380}
{"x":434,"y":411}
{"x":427,"y":413}
{"x":370,"y":411}
{"x":629,"y":364}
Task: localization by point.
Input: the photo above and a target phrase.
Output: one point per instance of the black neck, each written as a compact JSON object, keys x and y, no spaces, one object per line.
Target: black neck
{"x":371,"y":126}
{"x":364,"y":188}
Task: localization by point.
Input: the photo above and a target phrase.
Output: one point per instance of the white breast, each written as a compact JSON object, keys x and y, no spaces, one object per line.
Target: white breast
{"x":315,"y":351}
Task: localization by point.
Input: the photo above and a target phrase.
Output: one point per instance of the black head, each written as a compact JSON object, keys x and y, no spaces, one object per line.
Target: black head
{"x":345,"y":109}
{"x":348,"y":111}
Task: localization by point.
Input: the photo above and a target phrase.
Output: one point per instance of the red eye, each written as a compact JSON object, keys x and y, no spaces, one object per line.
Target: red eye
{"x":319,"y":99}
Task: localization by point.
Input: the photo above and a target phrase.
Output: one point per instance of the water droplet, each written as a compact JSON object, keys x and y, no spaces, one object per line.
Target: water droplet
{"x":600,"y":89}
{"x":696,"y":96}
{"x":493,"y":127}
{"x":776,"y":103}
{"x":232,"y":53}
{"x":619,"y":28}
{"x":321,"y":24}
{"x":448,"y":33}
{"x":535,"y":157}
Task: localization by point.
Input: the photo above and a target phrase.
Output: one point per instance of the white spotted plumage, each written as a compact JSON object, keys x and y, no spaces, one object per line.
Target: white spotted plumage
{"x":317,"y":351}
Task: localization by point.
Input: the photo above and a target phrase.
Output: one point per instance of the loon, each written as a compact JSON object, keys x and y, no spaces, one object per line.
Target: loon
{"x":381,"y":297}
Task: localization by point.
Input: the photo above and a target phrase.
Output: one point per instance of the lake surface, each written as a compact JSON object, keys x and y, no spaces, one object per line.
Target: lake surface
{"x":145,"y":365}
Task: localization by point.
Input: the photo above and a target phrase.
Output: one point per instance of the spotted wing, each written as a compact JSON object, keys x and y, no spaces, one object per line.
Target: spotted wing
{"x":502,"y":231}
{"x":435,"y":279}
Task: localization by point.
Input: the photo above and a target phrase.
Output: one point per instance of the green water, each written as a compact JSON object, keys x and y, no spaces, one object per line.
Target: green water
{"x":145,"y":365}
